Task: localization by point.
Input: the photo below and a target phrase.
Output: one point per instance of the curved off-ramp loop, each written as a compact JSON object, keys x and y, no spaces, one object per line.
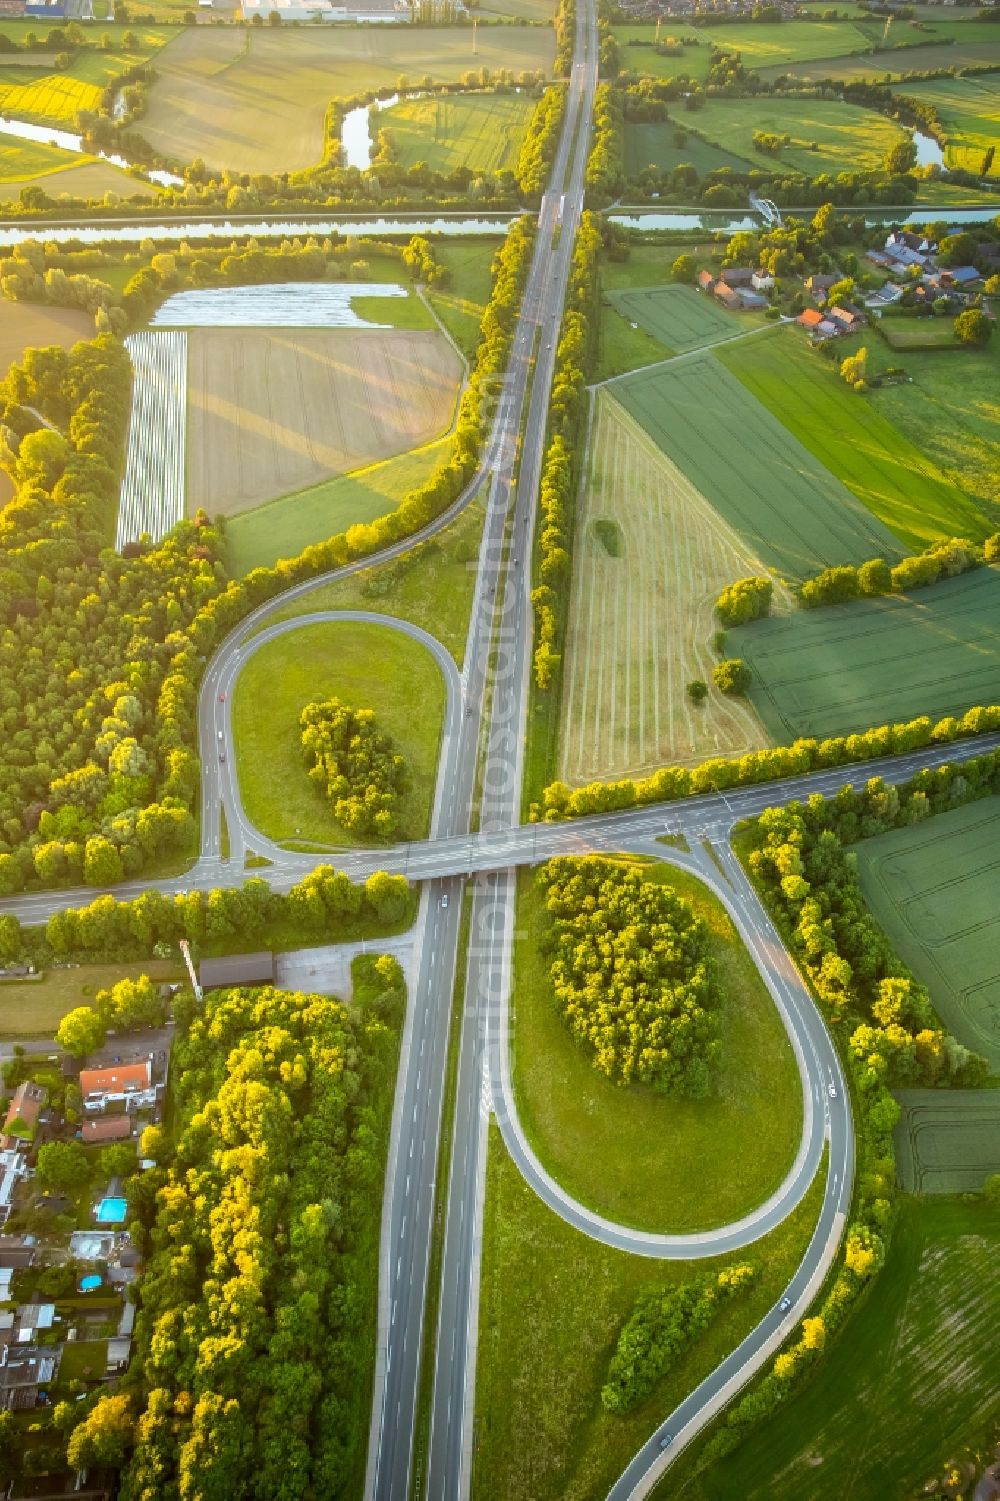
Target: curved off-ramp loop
{"x":243,"y":834}
{"x":806,"y":1034}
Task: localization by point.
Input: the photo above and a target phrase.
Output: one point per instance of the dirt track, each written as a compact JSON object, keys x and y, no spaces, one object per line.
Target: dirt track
{"x":273,"y":411}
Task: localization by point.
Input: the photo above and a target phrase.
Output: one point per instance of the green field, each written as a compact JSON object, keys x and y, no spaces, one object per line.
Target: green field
{"x":255,"y":100}
{"x":282,"y":528}
{"x":826,"y":135}
{"x":761,"y":45}
{"x":920,"y":333}
{"x":679,"y":317}
{"x":888,"y":473}
{"x":643,"y":59}
{"x":656,"y":145}
{"x":907,"y":1385}
{"x":365,"y":665}
{"x":969,"y":110}
{"x":952,"y":413}
{"x":432,"y":585}
{"x":844,"y":668}
{"x":57,"y":98}
{"x":947,"y":1140}
{"x":981,"y":49}
{"x":21,"y":161}
{"x":552,"y":1303}
{"x":460,"y":304}
{"x":629,"y":1153}
{"x":34,"y":1008}
{"x":934,"y":889}
{"x":482,"y":132}
{"x":791,"y":511}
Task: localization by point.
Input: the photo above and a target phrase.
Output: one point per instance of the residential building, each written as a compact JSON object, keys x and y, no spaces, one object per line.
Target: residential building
{"x":107,"y":1128}
{"x":820,"y":283}
{"x":848,"y":319}
{"x":127,"y":1083}
{"x":959,"y":276}
{"x":762,"y":281}
{"x":706,"y":281}
{"x":737,"y":276}
{"x":21,"y":1121}
{"x":23,"y":1369}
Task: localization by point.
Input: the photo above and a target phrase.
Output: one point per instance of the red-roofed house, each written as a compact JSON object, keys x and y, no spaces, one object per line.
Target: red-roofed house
{"x":706,"y":281}
{"x":22,"y":1115}
{"x":97,"y":1085}
{"x":810,"y":318}
{"x":107,"y":1128}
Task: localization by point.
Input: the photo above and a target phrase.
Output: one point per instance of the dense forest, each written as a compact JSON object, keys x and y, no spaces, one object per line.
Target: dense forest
{"x":256,"y":1325}
{"x":632,"y":975}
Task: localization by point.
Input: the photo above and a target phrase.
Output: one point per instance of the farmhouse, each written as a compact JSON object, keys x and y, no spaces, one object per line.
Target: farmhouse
{"x":706,"y":281}
{"x":847,"y":317}
{"x":763,"y":281}
{"x":737,"y":276}
{"x":821,"y":283}
{"x":728,"y":297}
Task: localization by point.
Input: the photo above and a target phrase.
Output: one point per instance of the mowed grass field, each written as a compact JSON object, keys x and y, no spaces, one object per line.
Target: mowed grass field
{"x":788,"y":509}
{"x":66,"y":174}
{"x":271,"y":411}
{"x":679,"y":317}
{"x":969,"y":110}
{"x":844,"y":668}
{"x":669,"y":145}
{"x":980,"y":50}
{"x":761,"y":45}
{"x":483,"y":132}
{"x":552,"y":1304}
{"x":893,"y":478}
{"x":365,"y":665}
{"x":255,"y":101}
{"x":952,"y":412}
{"x":641,"y":623}
{"x":283,"y":527}
{"x":907,"y":1385}
{"x":629,"y":1153}
{"x":947,"y":1140}
{"x":826,"y":135}
{"x":34,"y":1008}
{"x":934,"y":888}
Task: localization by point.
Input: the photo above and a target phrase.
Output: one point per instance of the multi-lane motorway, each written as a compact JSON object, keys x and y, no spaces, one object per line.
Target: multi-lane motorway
{"x":481,"y":764}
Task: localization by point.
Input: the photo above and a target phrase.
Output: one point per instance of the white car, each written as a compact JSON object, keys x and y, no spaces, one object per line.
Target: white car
{"x":833,"y":1091}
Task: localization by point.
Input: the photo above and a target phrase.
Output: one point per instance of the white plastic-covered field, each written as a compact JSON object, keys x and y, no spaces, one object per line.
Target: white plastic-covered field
{"x":152,"y":493}
{"x":306,"y":304}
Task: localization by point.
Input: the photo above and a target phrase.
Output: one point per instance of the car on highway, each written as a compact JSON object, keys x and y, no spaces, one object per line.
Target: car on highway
{"x":833,"y":1090}
{"x":444,"y":900}
{"x":785,"y":1304}
{"x":666,"y":1440}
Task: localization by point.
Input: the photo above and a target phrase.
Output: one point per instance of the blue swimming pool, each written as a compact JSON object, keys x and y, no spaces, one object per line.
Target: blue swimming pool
{"x":87,"y":1284}
{"x":111,"y":1211}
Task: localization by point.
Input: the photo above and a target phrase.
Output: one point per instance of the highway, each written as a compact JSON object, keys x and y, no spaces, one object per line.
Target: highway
{"x":481,"y":763}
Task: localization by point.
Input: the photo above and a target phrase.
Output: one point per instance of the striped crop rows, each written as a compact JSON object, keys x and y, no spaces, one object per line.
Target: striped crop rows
{"x":152,"y":494}
{"x":307,"y":304}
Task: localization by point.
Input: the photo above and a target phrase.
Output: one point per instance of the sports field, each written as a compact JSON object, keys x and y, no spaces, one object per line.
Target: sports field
{"x":934,"y":888}
{"x":844,"y":668}
{"x":825,"y":135}
{"x":679,"y":317}
{"x":641,"y":624}
{"x":787,"y":508}
{"x":368,"y":666}
{"x":969,"y":110}
{"x":887,"y":472}
{"x":482,"y":132}
{"x":274,"y":411}
{"x":283,"y":527}
{"x":907,"y":1386}
{"x":255,"y":101}
{"x":947,"y":1140}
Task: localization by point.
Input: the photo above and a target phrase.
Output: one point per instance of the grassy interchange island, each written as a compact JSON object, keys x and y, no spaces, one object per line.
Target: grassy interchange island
{"x":340,"y":545}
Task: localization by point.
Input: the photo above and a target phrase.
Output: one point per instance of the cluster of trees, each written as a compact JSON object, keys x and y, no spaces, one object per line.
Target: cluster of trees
{"x":537,"y":153}
{"x":854,"y":370}
{"x":101,"y":656}
{"x":325,"y":903}
{"x":255,"y":1330}
{"x":605,"y":176}
{"x":745,"y":600}
{"x":885,"y":1018}
{"x":355,"y":764}
{"x":35,"y":272}
{"x":127,"y":1005}
{"x":670,"y":782}
{"x":732,"y":675}
{"x":663,"y":1326}
{"x":567,"y":408}
{"x":632,"y":975}
{"x":942,"y":560}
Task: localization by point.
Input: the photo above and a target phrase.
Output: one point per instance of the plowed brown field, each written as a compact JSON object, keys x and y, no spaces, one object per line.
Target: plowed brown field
{"x":641,"y":624}
{"x":272,"y":411}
